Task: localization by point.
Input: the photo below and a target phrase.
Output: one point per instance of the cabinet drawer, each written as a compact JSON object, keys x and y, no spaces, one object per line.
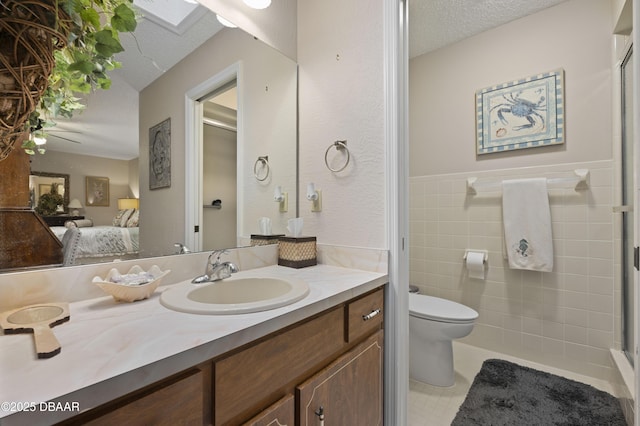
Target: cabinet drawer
{"x":177,"y":402}
{"x":364,"y":315}
{"x":281,"y":413}
{"x":259,"y":375}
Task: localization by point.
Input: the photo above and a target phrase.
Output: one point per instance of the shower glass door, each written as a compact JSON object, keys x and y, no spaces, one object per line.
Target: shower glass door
{"x":628,"y":289}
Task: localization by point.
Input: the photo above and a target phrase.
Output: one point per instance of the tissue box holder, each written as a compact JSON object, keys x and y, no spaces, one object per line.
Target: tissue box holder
{"x":264,"y":240}
{"x":297,"y":252}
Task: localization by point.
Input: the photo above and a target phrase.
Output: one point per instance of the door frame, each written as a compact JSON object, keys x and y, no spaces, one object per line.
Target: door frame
{"x":396,"y":59}
{"x":635,"y":39}
{"x":193,"y":138}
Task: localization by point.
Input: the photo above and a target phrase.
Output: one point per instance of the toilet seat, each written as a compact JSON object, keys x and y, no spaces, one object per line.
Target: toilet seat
{"x":442,"y":310}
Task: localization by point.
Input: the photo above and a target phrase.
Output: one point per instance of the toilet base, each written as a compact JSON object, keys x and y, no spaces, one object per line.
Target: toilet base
{"x":431,"y":362}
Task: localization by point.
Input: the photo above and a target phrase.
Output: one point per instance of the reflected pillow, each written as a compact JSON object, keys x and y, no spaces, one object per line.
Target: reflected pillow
{"x":80,"y":223}
{"x":122,"y":217}
{"x":134,"y":219}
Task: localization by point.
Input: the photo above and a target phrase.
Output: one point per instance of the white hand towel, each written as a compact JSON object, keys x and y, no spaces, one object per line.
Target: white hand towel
{"x":527,"y":224}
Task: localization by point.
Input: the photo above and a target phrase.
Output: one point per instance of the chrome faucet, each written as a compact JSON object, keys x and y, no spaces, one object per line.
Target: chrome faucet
{"x":181,"y":248}
{"x":216,"y":270}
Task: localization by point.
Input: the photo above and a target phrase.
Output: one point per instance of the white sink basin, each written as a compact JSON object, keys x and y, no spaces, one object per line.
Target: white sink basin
{"x":234,"y":295}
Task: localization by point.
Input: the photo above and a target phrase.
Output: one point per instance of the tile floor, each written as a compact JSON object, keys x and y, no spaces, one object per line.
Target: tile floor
{"x":436,"y":406}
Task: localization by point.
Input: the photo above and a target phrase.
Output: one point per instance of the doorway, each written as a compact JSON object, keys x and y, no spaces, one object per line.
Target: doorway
{"x":196,"y":131}
{"x":219,"y":178}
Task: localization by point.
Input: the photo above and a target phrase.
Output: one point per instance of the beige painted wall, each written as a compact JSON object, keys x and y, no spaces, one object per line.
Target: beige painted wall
{"x":341,"y":97}
{"x":268,"y":93}
{"x":121,"y":174}
{"x":219,"y":227}
{"x":134,"y":178}
{"x":575,"y":36}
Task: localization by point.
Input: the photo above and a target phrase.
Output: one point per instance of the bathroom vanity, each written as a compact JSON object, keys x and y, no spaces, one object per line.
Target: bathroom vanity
{"x":323,"y":360}
{"x":141,"y":363}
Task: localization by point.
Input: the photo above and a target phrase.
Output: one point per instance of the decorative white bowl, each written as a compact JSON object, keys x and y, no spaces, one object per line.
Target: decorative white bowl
{"x":134,"y":285}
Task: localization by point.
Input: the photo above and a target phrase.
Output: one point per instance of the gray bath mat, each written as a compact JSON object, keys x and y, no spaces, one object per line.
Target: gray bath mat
{"x":504,"y":393}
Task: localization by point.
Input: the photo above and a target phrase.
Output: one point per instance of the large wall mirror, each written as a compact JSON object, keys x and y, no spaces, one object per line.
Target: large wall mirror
{"x":263,"y":124}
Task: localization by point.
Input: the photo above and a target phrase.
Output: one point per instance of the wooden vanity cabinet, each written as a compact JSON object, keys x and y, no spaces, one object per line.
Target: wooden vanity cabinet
{"x":259,"y":375}
{"x":255,"y":377}
{"x":333,"y":360}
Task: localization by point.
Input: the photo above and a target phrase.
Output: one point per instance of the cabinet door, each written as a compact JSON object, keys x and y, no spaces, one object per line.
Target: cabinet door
{"x":282,"y":413}
{"x":348,"y":391}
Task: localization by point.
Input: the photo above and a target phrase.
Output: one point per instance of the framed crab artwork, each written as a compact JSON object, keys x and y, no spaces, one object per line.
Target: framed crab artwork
{"x":519,"y":114}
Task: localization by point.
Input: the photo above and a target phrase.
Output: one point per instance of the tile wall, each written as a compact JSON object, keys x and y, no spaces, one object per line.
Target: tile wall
{"x":566,"y":318}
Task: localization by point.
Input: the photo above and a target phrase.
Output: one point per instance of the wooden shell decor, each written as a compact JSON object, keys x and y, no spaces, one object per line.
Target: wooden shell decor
{"x":30,"y":32}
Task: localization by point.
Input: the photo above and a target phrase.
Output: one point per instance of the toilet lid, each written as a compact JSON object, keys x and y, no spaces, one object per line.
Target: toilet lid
{"x":434,"y":308}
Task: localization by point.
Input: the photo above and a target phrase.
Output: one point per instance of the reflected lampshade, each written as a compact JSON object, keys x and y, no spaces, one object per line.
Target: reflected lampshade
{"x":128,"y":203}
{"x":75,"y":205}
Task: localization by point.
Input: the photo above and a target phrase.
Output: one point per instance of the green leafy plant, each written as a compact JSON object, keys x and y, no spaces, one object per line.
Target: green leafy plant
{"x":48,"y":203}
{"x":82,"y":66}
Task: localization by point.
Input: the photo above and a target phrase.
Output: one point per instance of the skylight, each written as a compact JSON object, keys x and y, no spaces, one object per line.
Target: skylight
{"x":174,"y":15}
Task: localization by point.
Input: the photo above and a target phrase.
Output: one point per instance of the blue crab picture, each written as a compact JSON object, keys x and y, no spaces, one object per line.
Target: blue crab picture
{"x":521,"y":108}
{"x":523,"y":113}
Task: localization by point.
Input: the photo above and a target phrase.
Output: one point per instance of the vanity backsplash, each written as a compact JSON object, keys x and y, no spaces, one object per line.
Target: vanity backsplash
{"x":72,"y":284}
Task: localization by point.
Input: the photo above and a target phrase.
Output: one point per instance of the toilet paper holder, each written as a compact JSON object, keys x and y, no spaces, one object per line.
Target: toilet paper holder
{"x":485,"y":254}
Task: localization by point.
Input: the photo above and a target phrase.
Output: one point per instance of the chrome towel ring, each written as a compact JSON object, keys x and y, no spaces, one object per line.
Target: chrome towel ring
{"x":340,"y":146}
{"x":264,"y":161}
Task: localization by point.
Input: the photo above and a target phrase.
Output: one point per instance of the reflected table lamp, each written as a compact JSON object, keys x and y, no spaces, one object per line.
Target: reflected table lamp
{"x":128,"y":203}
{"x":75,"y":205}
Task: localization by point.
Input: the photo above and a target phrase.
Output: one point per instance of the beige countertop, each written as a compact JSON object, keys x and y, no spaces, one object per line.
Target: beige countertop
{"x":111,"y":348}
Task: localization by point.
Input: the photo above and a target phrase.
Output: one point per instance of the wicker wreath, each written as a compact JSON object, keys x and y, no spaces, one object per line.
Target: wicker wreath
{"x":30,"y":32}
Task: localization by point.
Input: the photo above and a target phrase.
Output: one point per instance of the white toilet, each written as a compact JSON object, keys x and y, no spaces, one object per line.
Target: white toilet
{"x":433,"y":324}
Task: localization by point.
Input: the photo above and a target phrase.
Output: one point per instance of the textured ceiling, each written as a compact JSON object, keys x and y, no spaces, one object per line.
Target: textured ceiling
{"x":437,"y":23}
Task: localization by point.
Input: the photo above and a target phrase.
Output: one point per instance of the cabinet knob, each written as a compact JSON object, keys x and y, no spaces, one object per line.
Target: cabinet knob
{"x":370,"y":315}
{"x":320,"y":414}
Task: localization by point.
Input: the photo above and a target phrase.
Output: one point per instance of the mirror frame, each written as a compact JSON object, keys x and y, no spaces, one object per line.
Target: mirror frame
{"x":64,"y":176}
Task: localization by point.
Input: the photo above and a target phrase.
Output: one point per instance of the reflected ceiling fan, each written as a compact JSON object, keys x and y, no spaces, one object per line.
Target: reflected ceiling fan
{"x":53,"y":132}
{"x":38,"y":137}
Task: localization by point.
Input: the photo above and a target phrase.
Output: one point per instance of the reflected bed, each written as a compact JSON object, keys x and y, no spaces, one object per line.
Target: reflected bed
{"x":104,"y":241}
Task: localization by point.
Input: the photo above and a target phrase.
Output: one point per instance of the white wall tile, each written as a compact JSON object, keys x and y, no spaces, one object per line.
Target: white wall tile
{"x":576,"y":317}
{"x":547,"y":317}
{"x":575,"y":334}
{"x":553,"y":347}
{"x":532,"y":326}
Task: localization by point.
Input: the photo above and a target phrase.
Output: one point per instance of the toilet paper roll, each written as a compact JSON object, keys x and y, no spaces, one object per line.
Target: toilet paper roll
{"x":475,"y":265}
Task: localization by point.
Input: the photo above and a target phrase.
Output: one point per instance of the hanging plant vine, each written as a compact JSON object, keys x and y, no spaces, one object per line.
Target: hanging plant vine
{"x":70,"y":44}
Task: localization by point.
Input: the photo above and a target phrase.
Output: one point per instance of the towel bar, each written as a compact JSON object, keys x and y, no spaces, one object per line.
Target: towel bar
{"x":579,"y":181}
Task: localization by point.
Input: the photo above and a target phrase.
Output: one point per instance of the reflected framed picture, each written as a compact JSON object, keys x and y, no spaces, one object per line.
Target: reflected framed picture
{"x":97,"y":191}
{"x":160,"y":155}
{"x":44,"y":188}
{"x":525,"y":113}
